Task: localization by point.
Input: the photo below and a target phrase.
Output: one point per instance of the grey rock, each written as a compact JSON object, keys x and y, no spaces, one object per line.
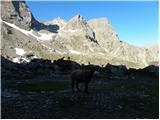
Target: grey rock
{"x":78,"y":22}
{"x":16,"y":12}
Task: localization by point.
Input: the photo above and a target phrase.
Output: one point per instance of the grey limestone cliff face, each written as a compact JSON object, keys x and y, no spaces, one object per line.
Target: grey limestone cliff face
{"x":78,"y":22}
{"x":16,"y":12}
{"x":107,"y":38}
{"x":104,"y":32}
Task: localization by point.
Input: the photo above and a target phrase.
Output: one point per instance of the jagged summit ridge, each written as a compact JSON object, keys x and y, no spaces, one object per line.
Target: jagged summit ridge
{"x":78,"y":22}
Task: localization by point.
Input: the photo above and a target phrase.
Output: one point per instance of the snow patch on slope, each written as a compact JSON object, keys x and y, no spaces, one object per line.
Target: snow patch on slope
{"x":72,"y":31}
{"x":14,"y":26}
{"x":42,"y":36}
{"x":15,"y":60}
{"x":20,"y":60}
{"x":74,"y":52}
{"x":20,"y":51}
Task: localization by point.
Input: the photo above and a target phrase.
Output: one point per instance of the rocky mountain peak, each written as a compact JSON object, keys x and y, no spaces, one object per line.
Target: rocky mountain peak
{"x":57,"y":21}
{"x":16,"y":12}
{"x":79,"y":23}
{"x":100,"y":22}
{"x":78,"y":17}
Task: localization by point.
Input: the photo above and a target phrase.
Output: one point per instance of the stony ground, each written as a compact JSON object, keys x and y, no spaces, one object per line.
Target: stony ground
{"x":112,"y":97}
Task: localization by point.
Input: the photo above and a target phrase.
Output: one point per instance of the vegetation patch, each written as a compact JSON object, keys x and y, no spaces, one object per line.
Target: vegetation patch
{"x":153,"y":90}
{"x":132,"y":86}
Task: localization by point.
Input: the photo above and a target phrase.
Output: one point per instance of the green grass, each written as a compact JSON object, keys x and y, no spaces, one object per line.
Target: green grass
{"x":133,"y":86}
{"x":153,"y":90}
{"x":42,"y":86}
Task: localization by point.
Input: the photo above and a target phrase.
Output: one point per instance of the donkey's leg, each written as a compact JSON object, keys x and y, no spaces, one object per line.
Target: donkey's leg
{"x":77,"y":85}
{"x":73,"y":85}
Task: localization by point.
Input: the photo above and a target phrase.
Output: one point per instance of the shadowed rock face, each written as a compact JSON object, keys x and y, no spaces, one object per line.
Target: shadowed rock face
{"x":18,"y":13}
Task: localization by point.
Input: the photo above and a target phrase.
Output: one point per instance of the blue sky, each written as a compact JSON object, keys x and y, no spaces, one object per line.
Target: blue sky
{"x":135,"y":22}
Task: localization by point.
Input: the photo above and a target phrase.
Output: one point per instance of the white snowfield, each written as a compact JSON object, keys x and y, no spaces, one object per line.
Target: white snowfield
{"x":72,"y":31}
{"x":20,"y":51}
{"x":15,"y":60}
{"x":91,"y":49}
{"x":42,"y":36}
{"x":57,"y":51}
{"x":19,"y":60}
{"x":74,"y":52}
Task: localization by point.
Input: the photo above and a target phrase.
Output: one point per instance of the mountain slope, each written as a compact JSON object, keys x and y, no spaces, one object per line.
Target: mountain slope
{"x":93,"y":41}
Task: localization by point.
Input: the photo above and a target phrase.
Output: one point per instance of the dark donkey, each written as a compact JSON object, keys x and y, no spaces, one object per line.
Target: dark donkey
{"x":83,"y":75}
